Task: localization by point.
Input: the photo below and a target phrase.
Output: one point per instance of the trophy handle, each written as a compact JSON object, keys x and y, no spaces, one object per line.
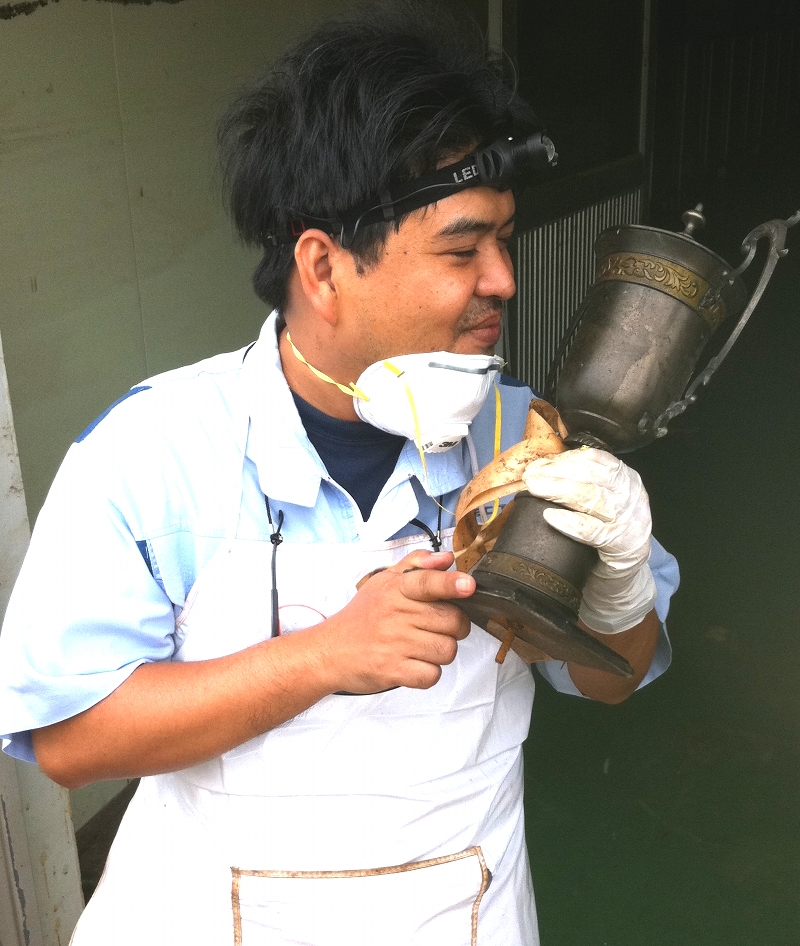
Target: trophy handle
{"x":775,"y":231}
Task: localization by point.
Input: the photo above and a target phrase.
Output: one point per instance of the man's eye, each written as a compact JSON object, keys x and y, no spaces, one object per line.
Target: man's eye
{"x":464,"y":254}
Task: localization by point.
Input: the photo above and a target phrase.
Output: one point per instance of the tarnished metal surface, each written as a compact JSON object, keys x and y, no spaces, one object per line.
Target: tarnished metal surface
{"x":671,"y":278}
{"x":640,"y":331}
{"x":530,"y":582}
{"x":533,"y":574}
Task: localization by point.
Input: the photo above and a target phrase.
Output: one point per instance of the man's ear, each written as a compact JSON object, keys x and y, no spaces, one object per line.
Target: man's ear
{"x":316,"y":256}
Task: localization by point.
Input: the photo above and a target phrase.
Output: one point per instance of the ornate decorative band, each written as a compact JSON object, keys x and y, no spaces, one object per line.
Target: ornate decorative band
{"x":675,"y":280}
{"x":532,"y":573}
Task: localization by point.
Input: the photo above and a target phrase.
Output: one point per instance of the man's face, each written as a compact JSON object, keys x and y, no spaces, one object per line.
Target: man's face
{"x":440,"y":283}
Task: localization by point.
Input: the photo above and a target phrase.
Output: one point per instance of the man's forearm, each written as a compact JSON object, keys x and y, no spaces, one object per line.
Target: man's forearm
{"x":167,"y":716}
{"x":399,"y":630}
{"x":637,"y":646}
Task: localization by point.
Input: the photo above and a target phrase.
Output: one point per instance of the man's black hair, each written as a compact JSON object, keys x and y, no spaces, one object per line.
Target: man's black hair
{"x":382,"y":96}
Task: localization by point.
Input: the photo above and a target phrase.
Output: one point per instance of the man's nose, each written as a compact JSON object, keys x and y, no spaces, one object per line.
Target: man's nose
{"x":497,"y":278}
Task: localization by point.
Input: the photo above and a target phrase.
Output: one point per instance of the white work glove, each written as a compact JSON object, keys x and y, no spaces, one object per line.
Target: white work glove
{"x":606,"y":507}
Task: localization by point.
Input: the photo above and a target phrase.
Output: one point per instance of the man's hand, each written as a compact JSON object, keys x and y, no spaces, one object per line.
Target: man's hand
{"x":606,"y":507}
{"x":400,"y":629}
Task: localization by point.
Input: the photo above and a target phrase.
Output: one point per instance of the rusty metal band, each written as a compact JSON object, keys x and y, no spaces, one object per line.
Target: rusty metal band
{"x":671,"y":278}
{"x":534,"y":575}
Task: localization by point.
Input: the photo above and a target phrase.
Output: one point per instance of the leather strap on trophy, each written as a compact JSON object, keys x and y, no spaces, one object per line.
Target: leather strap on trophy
{"x":530,"y":606}
{"x":543,"y":437}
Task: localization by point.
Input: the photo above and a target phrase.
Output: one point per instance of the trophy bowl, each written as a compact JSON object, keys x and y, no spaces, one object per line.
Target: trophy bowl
{"x":657,"y":299}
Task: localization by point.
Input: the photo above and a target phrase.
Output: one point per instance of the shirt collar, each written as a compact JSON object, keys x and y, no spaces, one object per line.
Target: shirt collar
{"x":288,"y":466}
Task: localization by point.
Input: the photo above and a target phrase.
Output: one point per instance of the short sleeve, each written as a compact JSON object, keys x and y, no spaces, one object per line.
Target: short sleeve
{"x":666,"y":574}
{"x":85,"y":611}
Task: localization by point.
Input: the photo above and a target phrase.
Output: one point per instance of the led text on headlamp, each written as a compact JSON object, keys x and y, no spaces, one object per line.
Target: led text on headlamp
{"x":500,"y":165}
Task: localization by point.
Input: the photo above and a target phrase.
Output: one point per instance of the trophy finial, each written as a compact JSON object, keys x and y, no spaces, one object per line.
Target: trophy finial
{"x":693,"y":220}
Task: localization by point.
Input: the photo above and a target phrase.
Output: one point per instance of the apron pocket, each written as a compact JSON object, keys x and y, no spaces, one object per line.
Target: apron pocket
{"x":427,"y":903}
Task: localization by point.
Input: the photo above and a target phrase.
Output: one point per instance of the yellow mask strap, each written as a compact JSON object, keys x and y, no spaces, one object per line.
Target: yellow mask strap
{"x":398,"y":373}
{"x":352,"y":390}
{"x":498,"y":431}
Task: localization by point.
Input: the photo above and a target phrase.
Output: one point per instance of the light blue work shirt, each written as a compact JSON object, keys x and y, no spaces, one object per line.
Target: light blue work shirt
{"x":145,"y":496}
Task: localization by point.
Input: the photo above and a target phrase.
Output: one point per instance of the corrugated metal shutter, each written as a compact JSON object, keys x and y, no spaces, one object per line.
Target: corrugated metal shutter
{"x":554,"y":266}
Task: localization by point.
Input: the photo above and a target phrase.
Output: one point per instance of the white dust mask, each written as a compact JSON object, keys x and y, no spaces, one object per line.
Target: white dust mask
{"x":431,"y":398}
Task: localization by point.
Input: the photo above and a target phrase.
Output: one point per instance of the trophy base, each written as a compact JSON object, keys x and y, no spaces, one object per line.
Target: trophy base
{"x":540,"y":621}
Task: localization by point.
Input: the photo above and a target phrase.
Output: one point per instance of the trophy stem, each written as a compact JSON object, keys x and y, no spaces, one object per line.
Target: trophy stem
{"x":532,"y":581}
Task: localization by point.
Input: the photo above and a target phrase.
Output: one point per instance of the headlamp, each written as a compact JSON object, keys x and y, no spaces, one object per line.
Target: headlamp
{"x":500,"y":165}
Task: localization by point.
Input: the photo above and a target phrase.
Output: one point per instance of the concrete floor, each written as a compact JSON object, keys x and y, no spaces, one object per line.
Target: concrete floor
{"x":95,"y":837}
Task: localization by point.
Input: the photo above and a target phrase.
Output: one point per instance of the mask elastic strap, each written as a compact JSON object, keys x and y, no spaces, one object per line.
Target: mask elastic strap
{"x":352,"y":390}
{"x":498,"y":432}
{"x":398,"y":373}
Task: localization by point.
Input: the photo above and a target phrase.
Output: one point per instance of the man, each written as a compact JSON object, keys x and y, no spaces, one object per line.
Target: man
{"x":322,"y":765}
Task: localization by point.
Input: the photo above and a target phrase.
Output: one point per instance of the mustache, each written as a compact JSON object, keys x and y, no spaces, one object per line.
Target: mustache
{"x":480,"y":311}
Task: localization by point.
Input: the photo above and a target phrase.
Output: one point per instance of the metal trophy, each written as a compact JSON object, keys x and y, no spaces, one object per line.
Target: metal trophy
{"x":624,"y":370}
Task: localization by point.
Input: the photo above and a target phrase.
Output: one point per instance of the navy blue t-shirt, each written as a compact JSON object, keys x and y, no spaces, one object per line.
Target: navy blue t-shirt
{"x":359,"y":457}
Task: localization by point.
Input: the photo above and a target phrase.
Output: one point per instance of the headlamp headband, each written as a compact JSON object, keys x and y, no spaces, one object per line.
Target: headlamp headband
{"x":497,"y":165}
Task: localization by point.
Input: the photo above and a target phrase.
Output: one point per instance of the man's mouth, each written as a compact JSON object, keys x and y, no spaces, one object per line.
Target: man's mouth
{"x":487,"y":331}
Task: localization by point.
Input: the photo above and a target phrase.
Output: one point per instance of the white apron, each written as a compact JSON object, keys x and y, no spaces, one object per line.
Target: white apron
{"x":392,"y":819}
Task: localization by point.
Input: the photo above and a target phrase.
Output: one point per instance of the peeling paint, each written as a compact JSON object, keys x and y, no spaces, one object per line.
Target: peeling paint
{"x":10,"y":10}
{"x":17,"y":883}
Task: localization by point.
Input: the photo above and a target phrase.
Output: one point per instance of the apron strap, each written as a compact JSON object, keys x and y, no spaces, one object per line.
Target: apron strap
{"x":275,"y":538}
